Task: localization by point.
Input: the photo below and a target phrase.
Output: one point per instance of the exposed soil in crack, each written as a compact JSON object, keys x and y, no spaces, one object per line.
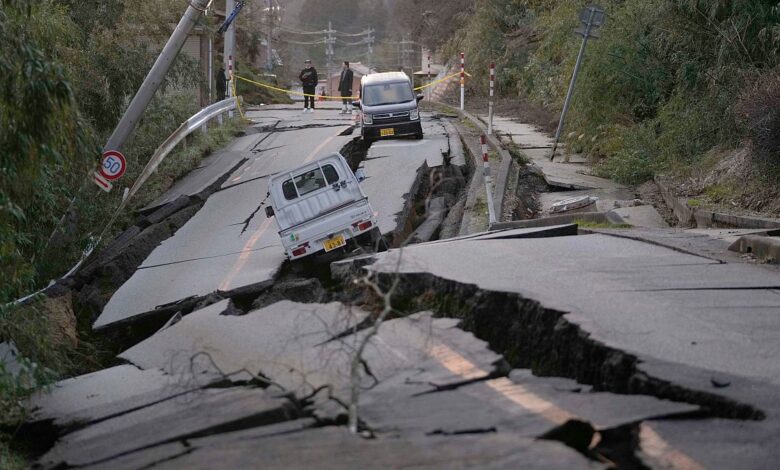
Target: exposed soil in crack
{"x":355,"y":152}
{"x":530,"y":336}
{"x":529,"y":184}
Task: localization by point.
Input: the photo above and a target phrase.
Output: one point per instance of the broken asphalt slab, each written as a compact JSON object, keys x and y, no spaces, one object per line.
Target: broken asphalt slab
{"x":521,"y":404}
{"x":216,"y":250}
{"x":200,"y":179}
{"x":299,"y":348}
{"x":198,"y":413}
{"x":645,"y":300}
{"x":334,"y":448}
{"x":158,"y":454}
{"x":284,"y":342}
{"x":89,"y":398}
{"x":395,"y":170}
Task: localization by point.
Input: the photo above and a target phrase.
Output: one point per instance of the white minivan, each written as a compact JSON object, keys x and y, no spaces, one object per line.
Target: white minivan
{"x":320,"y":207}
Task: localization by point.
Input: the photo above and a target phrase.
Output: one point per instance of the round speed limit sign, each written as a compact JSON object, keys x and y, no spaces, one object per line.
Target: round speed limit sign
{"x":112,"y":165}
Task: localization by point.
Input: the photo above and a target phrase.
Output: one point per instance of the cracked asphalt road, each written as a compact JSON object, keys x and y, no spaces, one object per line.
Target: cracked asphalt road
{"x":504,"y":350}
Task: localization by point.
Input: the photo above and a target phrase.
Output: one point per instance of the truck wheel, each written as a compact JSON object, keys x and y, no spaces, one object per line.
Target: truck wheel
{"x":378,"y":241}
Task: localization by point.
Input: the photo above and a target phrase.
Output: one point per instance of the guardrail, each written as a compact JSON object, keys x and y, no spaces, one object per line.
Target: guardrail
{"x":200,"y":121}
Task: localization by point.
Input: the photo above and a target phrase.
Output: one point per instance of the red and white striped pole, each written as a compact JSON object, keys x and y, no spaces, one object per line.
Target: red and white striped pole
{"x":462,"y":79}
{"x":490,"y":103}
{"x":486,"y":174}
{"x":230,"y":76}
{"x":230,"y":82}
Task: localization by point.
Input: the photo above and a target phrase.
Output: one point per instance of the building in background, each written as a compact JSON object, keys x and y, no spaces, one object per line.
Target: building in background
{"x":200,"y":48}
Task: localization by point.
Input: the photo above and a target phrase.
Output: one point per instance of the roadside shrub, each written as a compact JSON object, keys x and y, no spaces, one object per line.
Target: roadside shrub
{"x":758,"y":110}
{"x":637,"y":156}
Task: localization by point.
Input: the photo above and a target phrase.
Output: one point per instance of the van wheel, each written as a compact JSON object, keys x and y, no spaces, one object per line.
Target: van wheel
{"x":418,"y":135}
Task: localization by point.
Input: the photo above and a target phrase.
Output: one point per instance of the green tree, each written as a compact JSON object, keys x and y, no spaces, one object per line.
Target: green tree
{"x":42,"y":138}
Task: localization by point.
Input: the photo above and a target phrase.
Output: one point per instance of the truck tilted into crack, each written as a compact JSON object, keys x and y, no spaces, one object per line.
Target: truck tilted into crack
{"x":319,"y":207}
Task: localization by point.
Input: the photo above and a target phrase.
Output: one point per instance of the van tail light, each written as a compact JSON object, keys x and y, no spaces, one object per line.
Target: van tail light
{"x":301,"y":250}
{"x":362,"y":226}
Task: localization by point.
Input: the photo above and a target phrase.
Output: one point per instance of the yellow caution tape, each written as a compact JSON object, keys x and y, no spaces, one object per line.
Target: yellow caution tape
{"x":238,"y":101}
{"x":441,"y":80}
{"x":265,"y":85}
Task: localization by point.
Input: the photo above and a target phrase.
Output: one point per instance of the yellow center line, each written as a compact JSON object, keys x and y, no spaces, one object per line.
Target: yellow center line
{"x":652,"y":444}
{"x":517,"y":394}
{"x":664,"y":454}
{"x":246,"y":252}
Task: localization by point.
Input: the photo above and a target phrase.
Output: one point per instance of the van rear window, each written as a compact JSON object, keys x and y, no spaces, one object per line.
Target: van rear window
{"x":310,"y":181}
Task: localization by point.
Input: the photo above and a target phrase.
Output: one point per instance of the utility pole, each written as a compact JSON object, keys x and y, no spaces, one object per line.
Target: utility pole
{"x":400,"y":54}
{"x":405,"y":51}
{"x":370,"y":41}
{"x":156,"y":75}
{"x":269,"y":63}
{"x":592,"y":17}
{"x":329,"y":41}
{"x":230,"y":40}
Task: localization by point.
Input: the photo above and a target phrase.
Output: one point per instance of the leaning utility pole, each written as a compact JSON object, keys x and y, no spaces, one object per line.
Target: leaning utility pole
{"x":156,"y":75}
{"x":592,"y":17}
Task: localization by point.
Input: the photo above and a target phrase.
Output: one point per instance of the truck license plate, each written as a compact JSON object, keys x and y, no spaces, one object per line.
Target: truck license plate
{"x":335,"y":242}
{"x":386,"y":132}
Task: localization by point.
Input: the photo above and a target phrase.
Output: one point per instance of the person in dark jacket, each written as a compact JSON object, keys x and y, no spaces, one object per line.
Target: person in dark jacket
{"x":309,"y":80}
{"x":221,"y":84}
{"x":345,"y":87}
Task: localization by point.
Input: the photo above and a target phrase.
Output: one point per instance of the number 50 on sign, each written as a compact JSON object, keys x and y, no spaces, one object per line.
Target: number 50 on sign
{"x":112,"y":165}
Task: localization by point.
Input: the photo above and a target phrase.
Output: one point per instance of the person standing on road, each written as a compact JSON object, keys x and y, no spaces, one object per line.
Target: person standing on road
{"x":345,"y":87}
{"x":221,"y":84}
{"x":309,"y":80}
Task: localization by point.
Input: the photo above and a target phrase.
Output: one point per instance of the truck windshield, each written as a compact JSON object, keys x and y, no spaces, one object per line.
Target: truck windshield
{"x":387,"y":93}
{"x":309,"y":181}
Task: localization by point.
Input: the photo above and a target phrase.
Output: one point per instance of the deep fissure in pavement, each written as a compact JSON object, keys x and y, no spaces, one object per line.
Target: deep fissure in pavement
{"x":531,"y":336}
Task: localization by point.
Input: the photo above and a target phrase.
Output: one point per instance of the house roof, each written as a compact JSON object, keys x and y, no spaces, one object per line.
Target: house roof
{"x":358,"y":68}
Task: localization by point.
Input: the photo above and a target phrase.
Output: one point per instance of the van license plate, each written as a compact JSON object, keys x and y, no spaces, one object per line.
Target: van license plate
{"x":386,"y":132}
{"x":335,"y":242}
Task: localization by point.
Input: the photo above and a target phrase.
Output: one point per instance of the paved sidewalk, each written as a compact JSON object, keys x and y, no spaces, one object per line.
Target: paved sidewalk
{"x":569,"y":176}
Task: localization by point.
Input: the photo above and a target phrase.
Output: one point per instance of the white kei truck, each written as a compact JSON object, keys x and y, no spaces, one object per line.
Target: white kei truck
{"x":320,"y":207}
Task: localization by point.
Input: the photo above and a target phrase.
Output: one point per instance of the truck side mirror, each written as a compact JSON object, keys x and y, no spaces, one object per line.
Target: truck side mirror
{"x":420,"y":97}
{"x":356,"y":104}
{"x":269,"y":211}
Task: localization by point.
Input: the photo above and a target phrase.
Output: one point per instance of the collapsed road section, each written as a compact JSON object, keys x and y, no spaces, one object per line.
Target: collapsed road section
{"x":230,"y":246}
{"x":541,"y":348}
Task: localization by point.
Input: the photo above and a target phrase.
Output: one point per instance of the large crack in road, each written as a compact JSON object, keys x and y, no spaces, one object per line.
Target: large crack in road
{"x":458,"y":370}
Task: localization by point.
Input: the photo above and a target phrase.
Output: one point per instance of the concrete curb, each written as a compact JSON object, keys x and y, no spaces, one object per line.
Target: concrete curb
{"x":763,"y":248}
{"x":594,"y":217}
{"x":502,"y":178}
{"x":694,"y":217}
